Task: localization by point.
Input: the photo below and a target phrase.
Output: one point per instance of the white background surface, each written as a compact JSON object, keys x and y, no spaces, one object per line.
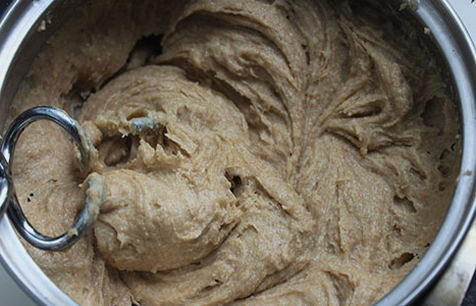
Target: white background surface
{"x":11,"y":294}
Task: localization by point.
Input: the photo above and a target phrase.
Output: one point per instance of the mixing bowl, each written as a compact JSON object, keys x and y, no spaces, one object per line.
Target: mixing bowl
{"x":23,"y":33}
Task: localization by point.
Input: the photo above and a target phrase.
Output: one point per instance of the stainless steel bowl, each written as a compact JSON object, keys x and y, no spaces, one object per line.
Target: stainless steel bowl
{"x":20,"y":41}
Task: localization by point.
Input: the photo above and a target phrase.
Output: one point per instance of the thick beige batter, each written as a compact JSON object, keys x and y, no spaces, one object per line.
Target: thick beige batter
{"x":274,"y":152}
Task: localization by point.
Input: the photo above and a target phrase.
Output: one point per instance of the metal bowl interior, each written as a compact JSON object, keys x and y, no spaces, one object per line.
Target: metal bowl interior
{"x":20,"y":42}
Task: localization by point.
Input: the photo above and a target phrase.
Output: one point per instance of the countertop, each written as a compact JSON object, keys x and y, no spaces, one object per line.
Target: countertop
{"x":11,"y":294}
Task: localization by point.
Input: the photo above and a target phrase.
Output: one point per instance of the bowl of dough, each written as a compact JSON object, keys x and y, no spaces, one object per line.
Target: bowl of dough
{"x":254,"y":152}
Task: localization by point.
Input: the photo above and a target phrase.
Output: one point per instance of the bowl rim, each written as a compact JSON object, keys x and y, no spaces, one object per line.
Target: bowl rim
{"x":447,"y":30}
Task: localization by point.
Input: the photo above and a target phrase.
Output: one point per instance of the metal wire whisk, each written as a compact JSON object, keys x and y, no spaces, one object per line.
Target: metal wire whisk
{"x":9,"y":204}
